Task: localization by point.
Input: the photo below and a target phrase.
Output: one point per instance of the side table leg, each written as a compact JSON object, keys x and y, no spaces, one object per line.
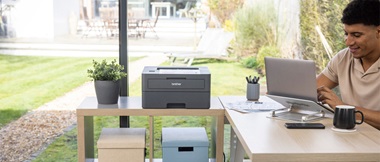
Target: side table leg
{"x":85,"y":138}
{"x":217,"y":136}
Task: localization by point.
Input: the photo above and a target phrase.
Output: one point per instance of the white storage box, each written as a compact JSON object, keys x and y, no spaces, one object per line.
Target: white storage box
{"x":121,"y":144}
{"x":184,"y":144}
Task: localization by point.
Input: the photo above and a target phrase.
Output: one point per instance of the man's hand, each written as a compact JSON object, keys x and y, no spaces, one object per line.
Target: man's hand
{"x":327,"y":96}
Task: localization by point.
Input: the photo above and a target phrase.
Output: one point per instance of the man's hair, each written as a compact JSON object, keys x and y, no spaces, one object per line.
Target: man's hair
{"x":365,"y":12}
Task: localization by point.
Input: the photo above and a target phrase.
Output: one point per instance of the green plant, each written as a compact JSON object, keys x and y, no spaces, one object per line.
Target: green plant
{"x":250,"y":62}
{"x":255,"y":26}
{"x":270,"y":51}
{"x":104,"y":71}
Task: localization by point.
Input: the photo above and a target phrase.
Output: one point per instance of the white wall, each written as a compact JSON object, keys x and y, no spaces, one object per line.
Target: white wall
{"x":62,"y":11}
{"x":44,"y":18}
{"x":33,"y":18}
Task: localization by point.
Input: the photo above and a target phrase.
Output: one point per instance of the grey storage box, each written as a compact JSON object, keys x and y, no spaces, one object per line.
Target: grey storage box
{"x":176,"y":87}
{"x":122,"y":144}
{"x":184,"y":144}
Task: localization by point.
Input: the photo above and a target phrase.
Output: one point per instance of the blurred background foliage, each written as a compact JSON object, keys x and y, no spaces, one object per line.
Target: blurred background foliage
{"x":257,"y":26}
{"x":224,"y":9}
{"x":326,"y":14}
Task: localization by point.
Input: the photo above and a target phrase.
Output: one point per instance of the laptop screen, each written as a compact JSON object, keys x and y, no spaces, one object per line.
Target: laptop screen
{"x":291,"y":78}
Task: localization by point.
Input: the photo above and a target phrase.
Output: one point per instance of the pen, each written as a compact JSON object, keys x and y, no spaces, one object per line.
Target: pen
{"x":256,"y":80}
{"x":253,"y":80}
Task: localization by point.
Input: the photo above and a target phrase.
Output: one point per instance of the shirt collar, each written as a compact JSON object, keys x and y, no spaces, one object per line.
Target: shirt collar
{"x":373,"y":69}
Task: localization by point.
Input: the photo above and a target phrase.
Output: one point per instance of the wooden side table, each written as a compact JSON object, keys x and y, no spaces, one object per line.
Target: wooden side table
{"x":131,"y":106}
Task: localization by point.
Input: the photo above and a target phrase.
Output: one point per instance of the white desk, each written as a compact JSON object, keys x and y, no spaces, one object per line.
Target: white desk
{"x":131,"y":106}
{"x":265,"y":139}
{"x":161,"y":5}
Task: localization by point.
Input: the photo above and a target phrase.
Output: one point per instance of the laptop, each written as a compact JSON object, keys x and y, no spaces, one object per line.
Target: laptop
{"x":293,"y":83}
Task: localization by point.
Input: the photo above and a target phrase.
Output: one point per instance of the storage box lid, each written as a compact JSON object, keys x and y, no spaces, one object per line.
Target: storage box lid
{"x":180,"y":137}
{"x":122,"y":138}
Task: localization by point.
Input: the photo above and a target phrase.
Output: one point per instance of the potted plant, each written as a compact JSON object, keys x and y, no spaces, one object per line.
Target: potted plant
{"x":107,"y":80}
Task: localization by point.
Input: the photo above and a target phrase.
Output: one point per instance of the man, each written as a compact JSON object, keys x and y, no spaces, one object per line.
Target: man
{"x":356,"y":69}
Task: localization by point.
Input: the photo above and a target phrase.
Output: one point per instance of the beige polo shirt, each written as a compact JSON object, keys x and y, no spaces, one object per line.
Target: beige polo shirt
{"x":357,"y":87}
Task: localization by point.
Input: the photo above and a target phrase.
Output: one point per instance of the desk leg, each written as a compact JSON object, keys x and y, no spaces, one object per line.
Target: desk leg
{"x":236,"y":149}
{"x":85,"y":138}
{"x":217,"y":146}
{"x":151,"y":137}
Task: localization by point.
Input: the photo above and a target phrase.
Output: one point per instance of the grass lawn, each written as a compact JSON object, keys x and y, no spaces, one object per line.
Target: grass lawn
{"x":27,"y":82}
{"x":226,"y":79}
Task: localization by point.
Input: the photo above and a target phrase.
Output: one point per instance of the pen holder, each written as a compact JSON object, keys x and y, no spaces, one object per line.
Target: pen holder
{"x":253,"y":91}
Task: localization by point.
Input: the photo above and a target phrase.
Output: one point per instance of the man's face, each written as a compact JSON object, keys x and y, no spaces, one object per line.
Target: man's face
{"x":363,"y":40}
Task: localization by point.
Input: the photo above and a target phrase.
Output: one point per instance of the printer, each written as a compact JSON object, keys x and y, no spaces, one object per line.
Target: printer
{"x":176,"y":87}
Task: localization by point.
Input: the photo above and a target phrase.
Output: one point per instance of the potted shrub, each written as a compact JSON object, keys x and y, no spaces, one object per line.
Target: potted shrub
{"x":107,"y":80}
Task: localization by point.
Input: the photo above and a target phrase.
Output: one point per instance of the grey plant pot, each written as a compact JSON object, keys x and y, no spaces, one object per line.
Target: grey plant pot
{"x":107,"y":92}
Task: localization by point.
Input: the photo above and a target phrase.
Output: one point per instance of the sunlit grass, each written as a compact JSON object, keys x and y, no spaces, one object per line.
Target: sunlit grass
{"x":27,"y":82}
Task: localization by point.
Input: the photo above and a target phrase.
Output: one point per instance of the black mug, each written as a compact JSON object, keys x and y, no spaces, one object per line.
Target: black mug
{"x":345,"y":117}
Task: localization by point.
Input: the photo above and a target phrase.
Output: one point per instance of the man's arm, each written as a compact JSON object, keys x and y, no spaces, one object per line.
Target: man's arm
{"x":327,"y":96}
{"x":322,"y":80}
{"x":371,"y":117}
